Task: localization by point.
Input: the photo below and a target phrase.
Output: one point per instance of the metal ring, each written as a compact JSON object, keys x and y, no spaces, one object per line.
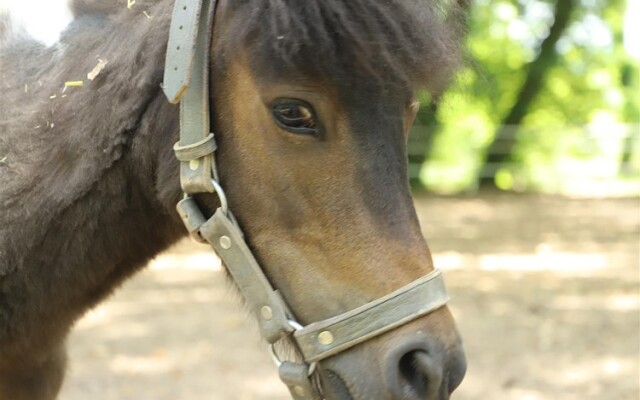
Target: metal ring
{"x":274,"y":356}
{"x":224,"y":205}
{"x":312,"y":368}
{"x":295,"y":325}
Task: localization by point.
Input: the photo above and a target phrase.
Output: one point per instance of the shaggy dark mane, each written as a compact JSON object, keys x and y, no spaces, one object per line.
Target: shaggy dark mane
{"x":63,"y":149}
{"x":414,"y":41}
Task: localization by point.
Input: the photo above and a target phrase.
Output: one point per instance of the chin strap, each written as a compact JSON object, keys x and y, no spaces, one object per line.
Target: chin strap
{"x":186,"y":81}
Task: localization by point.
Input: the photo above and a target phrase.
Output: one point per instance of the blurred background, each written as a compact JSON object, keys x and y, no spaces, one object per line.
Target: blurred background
{"x":548,"y":102}
{"x":526,"y":176}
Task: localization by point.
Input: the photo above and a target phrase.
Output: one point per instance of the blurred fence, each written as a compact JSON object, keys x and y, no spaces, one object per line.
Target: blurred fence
{"x":549,"y":159}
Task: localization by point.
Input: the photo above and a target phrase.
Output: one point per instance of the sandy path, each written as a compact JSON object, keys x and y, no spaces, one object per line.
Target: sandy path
{"x":545,"y":291}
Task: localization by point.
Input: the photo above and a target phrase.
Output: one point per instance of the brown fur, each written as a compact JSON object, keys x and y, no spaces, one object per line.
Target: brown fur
{"x":88,"y":181}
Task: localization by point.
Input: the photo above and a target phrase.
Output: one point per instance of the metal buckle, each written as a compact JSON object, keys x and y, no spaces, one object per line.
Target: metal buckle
{"x":278,"y":361}
{"x":192,"y":215}
{"x":224,"y":205}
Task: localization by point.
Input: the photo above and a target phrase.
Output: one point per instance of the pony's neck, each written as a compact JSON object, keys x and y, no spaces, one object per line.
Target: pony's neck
{"x":88,"y":171}
{"x":88,"y":180}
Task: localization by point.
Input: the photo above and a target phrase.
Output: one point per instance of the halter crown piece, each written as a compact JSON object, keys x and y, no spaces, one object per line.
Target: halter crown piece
{"x":186,"y":81}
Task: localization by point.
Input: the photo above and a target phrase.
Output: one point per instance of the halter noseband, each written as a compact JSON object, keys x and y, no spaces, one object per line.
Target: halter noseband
{"x":186,"y":81}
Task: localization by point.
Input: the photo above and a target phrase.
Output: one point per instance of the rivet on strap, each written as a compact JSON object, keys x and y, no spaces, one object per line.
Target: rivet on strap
{"x":323,"y":339}
{"x":226,"y":238}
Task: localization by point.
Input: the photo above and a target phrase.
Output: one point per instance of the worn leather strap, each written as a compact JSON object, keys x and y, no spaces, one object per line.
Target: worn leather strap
{"x":322,"y":339}
{"x":192,"y":217}
{"x":196,"y":150}
{"x":181,"y":46}
{"x":187,"y":81}
{"x":300,"y":384}
{"x":227,"y":240}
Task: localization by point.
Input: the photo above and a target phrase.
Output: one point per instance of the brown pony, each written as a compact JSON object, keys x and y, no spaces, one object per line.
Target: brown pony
{"x":312,"y":102}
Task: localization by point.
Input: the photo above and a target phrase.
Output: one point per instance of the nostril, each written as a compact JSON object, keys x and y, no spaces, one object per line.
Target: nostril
{"x":414,"y":372}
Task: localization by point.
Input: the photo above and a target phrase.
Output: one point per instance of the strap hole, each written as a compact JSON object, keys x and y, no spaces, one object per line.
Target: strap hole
{"x":180,"y":27}
{"x":177,"y":47}
{"x":184,"y":8}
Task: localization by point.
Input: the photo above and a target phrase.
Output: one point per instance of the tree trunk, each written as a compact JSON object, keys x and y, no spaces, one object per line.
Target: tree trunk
{"x":501,"y":148}
{"x":421,"y":143}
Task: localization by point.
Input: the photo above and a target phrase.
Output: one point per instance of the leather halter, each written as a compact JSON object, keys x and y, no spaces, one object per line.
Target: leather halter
{"x":186,"y":81}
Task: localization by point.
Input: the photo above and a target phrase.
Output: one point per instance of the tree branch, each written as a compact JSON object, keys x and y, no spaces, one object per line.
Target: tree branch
{"x":501,"y":148}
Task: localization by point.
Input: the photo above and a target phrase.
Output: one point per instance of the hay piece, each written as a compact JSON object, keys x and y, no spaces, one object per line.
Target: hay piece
{"x":97,"y":69}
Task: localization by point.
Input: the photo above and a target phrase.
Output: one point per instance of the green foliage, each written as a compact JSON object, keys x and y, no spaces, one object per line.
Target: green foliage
{"x":575,"y":122}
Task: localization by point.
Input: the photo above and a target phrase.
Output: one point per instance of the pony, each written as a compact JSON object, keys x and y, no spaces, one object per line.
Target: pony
{"x":311,"y":105}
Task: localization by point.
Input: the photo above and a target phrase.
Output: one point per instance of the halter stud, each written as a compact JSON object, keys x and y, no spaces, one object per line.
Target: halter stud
{"x":225,"y":242}
{"x":325,"y":338}
{"x":299,"y":391}
{"x":266,"y":312}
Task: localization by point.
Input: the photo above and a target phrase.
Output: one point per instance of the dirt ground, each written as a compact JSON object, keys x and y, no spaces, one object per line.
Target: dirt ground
{"x":545,"y":291}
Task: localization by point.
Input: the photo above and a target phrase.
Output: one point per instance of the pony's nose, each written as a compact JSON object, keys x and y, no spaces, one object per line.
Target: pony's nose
{"x":422,"y":371}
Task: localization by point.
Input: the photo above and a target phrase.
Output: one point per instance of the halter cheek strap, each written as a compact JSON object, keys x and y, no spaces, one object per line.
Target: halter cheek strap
{"x":186,"y":81}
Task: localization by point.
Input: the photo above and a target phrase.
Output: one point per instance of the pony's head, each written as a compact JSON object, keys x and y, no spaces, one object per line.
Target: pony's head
{"x":312,"y":105}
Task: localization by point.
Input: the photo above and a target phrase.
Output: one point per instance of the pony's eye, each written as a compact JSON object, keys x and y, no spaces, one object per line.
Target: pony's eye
{"x":295,"y":116}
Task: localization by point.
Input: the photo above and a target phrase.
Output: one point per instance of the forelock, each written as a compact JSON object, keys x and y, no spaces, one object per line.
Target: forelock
{"x":411,"y":42}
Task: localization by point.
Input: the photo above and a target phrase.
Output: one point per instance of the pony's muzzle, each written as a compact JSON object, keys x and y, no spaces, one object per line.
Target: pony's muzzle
{"x":409,"y":363}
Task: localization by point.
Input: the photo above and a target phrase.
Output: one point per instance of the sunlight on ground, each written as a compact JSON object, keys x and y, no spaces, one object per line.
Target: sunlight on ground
{"x":587,"y":372}
{"x":559,"y":262}
{"x":199,"y":261}
{"x":544,"y":259}
{"x":614,"y":302}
